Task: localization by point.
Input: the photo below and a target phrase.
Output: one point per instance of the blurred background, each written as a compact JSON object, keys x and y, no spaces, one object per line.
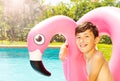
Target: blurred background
{"x":17,"y":17}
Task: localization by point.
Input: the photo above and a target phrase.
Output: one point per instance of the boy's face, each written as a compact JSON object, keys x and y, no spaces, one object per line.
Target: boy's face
{"x":86,"y":41}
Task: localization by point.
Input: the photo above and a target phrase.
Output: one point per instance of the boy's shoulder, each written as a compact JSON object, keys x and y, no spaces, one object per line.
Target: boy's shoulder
{"x":98,"y":57}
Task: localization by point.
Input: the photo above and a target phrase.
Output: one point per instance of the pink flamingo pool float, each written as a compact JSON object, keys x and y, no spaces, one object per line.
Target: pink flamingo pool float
{"x":108,"y":21}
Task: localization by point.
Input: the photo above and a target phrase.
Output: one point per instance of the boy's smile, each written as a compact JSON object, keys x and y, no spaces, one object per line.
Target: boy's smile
{"x":83,"y":45}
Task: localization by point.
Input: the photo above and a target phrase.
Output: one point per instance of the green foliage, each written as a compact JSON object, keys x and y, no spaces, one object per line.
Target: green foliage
{"x":77,"y":9}
{"x":1,"y":23}
{"x":19,"y":24}
{"x":60,"y":9}
{"x":58,"y":38}
{"x":105,"y":40}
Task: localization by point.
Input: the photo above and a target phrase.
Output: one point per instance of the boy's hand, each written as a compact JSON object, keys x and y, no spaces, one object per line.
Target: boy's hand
{"x":63,"y":52}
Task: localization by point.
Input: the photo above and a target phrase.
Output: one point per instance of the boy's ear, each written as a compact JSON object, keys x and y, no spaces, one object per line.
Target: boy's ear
{"x":97,"y":39}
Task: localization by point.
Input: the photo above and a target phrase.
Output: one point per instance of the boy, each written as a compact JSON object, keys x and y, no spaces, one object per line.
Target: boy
{"x":86,"y":39}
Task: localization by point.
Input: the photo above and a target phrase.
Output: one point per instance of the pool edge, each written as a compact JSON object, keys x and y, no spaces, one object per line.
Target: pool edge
{"x":25,"y":46}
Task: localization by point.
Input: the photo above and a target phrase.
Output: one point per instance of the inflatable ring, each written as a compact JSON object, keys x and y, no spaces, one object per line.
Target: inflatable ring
{"x":107,"y":20}
{"x":39,"y":37}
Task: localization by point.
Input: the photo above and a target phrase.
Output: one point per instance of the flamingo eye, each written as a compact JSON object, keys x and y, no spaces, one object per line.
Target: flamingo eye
{"x":39,"y":39}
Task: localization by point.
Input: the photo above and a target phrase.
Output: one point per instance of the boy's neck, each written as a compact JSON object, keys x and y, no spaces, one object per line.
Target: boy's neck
{"x":90,"y":54}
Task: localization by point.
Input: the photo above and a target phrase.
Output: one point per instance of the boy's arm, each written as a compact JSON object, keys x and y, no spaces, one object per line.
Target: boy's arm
{"x":63,"y":52}
{"x":96,"y":66}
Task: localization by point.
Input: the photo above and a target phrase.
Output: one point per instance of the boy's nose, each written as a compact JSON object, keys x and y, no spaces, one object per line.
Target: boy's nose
{"x":82,"y":41}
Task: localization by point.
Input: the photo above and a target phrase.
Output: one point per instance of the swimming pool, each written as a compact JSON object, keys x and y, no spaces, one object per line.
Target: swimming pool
{"x":15,"y":66}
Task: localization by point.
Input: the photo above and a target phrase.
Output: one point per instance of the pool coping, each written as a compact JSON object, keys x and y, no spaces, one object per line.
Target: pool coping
{"x":25,"y":46}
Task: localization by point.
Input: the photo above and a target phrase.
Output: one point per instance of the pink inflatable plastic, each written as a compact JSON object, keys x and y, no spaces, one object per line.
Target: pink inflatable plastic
{"x":108,"y":21}
{"x":39,"y":38}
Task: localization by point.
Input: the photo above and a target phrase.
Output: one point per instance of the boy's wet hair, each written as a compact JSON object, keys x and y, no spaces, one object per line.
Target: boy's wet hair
{"x":87,"y":26}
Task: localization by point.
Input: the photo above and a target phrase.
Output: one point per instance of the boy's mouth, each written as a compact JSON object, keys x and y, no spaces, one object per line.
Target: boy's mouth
{"x":83,"y":45}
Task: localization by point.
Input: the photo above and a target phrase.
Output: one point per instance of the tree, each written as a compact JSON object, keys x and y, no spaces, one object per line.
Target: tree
{"x":16,"y":25}
{"x":1,"y":22}
{"x":105,"y":40}
{"x":20,"y":19}
{"x":76,"y":9}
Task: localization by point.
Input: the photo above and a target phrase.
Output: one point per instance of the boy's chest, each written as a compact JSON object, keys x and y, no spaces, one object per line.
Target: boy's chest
{"x":89,"y":66}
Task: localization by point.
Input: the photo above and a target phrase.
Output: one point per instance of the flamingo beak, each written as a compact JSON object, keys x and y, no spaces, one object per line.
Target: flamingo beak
{"x":37,"y":64}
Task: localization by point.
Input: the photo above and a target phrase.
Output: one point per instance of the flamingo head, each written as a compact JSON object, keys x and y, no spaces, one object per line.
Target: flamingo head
{"x":39,"y":38}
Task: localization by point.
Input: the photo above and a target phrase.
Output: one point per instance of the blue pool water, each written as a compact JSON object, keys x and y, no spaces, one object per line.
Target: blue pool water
{"x":15,"y":66}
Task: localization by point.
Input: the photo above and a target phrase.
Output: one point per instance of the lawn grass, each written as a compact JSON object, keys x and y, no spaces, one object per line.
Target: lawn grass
{"x":106,"y":50}
{"x":12,"y":43}
{"x":56,"y":43}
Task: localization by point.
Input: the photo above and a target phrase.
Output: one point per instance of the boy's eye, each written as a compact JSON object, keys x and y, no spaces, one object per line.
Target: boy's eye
{"x":78,"y":37}
{"x":87,"y":36}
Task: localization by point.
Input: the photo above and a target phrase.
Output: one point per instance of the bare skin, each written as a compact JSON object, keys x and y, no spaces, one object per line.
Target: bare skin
{"x":97,"y":68}
{"x":63,"y":52}
{"x":96,"y":65}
